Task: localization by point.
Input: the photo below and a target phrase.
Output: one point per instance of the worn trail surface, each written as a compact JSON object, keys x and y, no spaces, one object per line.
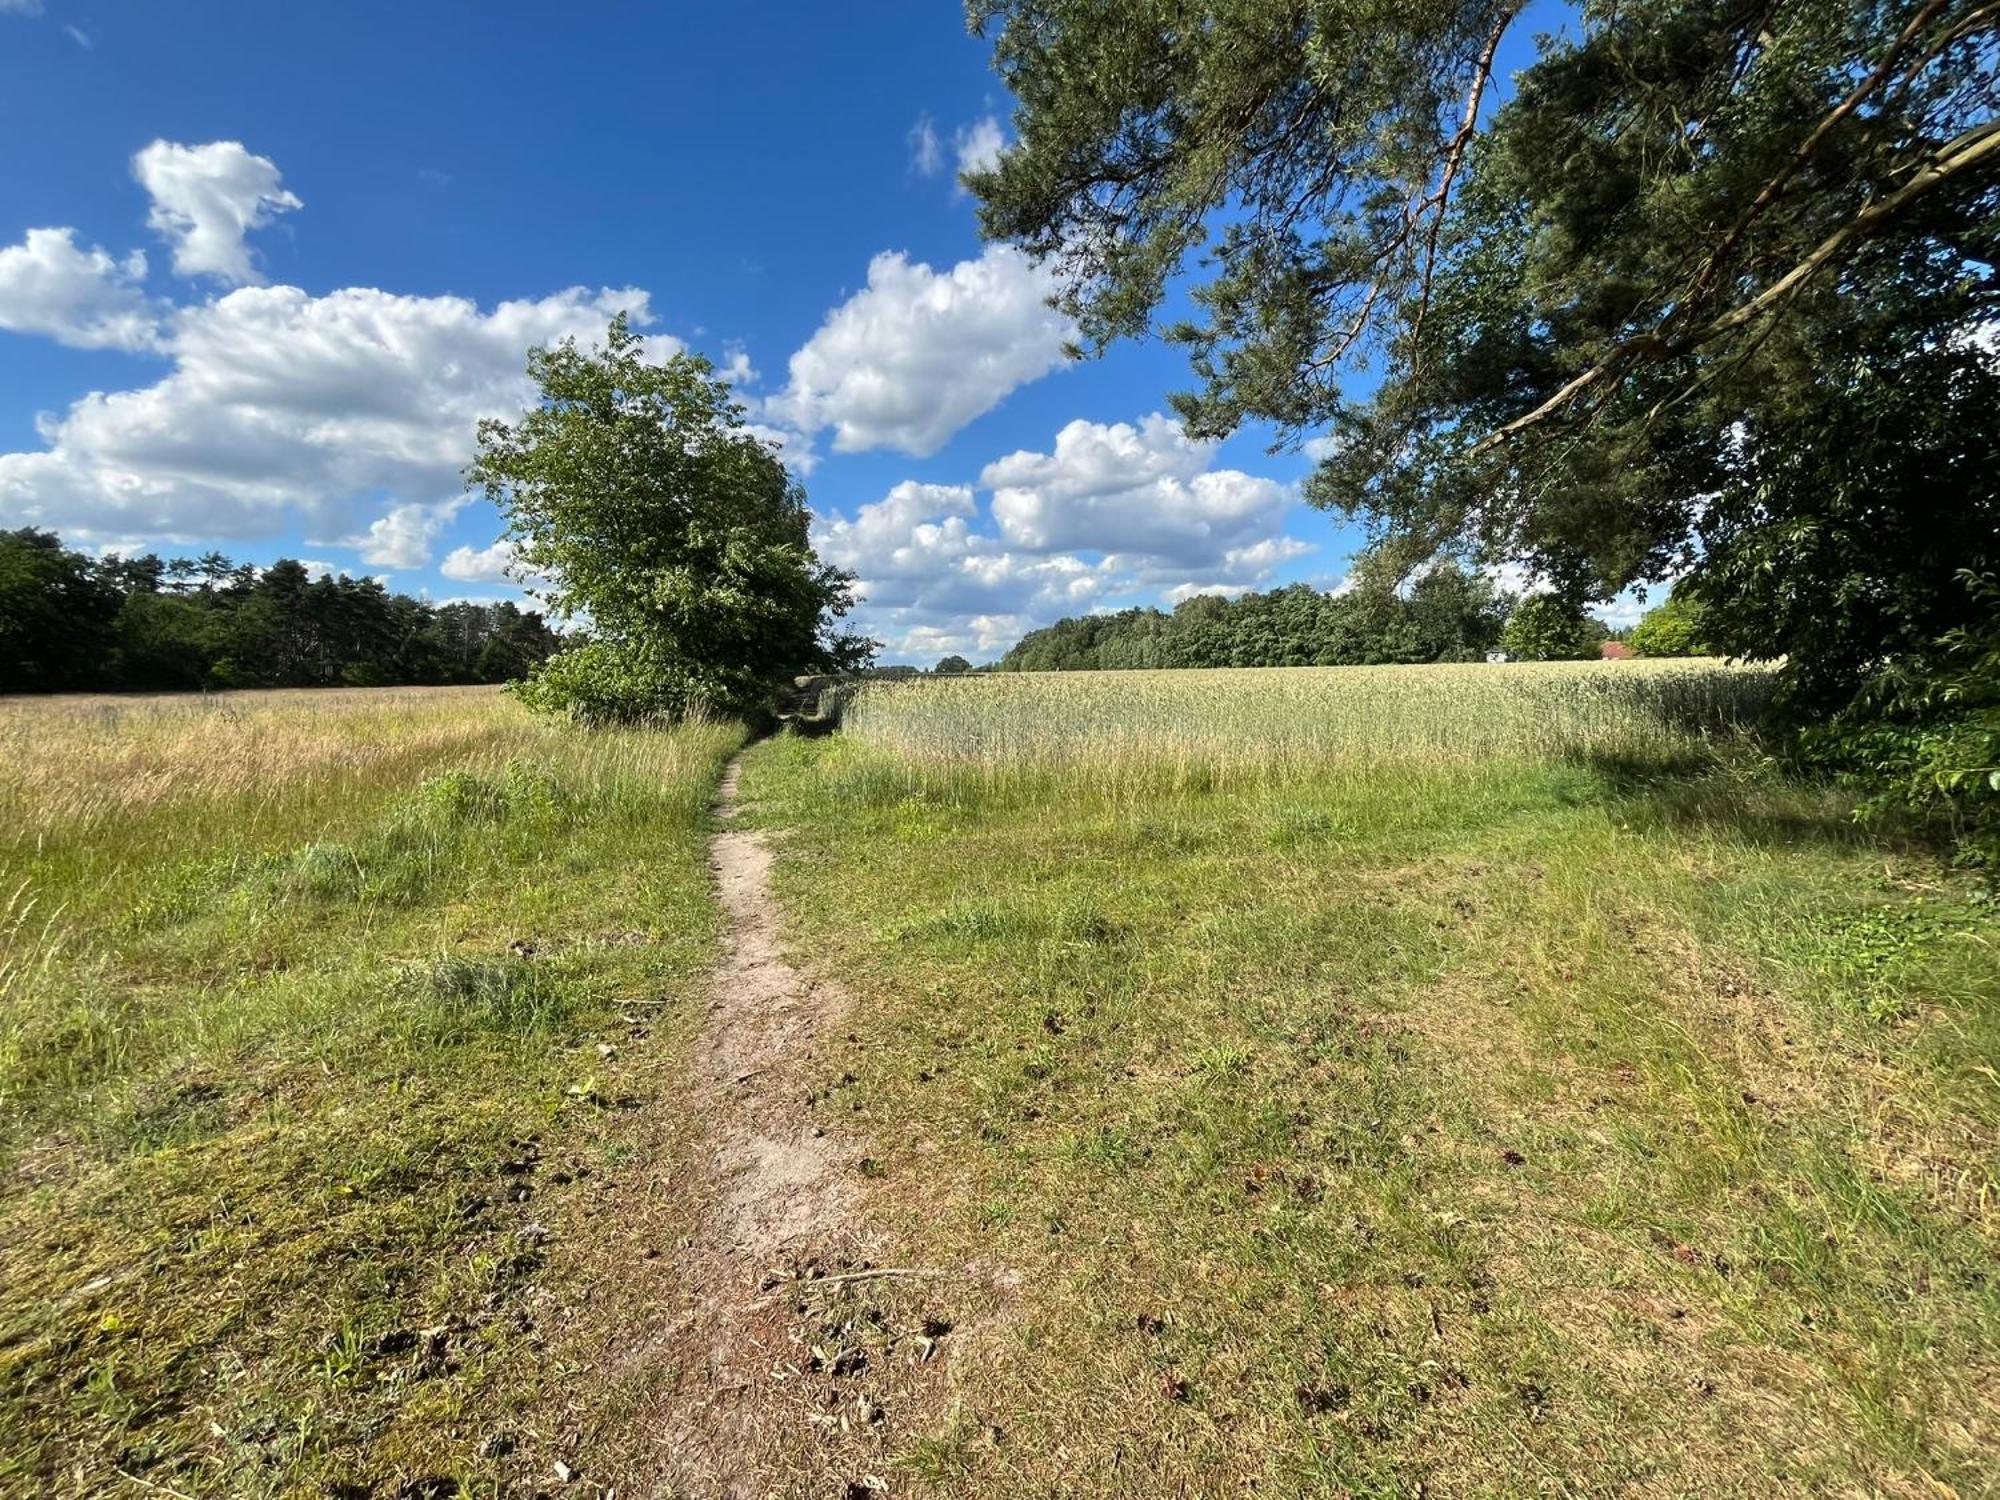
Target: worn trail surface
{"x":788,"y":1359}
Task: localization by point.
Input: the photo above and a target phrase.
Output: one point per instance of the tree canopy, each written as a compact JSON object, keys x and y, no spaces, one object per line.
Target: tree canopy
{"x":1445,"y":614}
{"x":636,"y":491}
{"x":1713,"y":292}
{"x":1548,"y":627}
{"x":1677,"y":627}
{"x":69,"y":621}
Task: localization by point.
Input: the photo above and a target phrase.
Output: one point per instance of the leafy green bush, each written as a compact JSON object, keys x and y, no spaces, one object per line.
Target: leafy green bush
{"x":615,"y":682}
{"x":1924,"y":735}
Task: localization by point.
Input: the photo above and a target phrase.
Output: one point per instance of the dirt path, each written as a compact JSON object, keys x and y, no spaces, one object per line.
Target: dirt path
{"x":782,"y":1189}
{"x":791,"y":1350}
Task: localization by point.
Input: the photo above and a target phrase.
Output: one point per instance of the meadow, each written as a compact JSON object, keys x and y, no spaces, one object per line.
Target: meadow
{"x":1408,"y":1081}
{"x":304,"y":999}
{"x":1364,"y":1081}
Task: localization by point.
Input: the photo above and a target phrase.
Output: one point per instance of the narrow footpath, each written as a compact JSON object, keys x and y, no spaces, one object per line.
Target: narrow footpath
{"x":796,"y":1357}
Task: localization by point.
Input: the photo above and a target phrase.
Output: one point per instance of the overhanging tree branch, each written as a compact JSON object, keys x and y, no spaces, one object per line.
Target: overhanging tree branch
{"x":1972,"y":149}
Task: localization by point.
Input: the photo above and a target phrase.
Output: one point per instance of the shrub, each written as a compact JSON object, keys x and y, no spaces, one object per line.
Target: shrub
{"x":1924,"y":735}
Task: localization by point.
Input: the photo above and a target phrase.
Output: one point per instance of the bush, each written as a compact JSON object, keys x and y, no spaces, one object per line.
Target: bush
{"x":1923,"y":736}
{"x":612,"y":682}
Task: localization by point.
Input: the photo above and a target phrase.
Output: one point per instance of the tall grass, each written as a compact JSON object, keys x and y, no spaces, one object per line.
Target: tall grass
{"x":282,"y":976}
{"x":1134,"y":732}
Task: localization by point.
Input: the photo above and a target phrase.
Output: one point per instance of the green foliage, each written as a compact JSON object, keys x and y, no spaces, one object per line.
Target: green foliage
{"x":952,"y":666}
{"x":1444,"y":614}
{"x":1925,"y":734}
{"x":69,"y":621}
{"x":1548,"y":627}
{"x":1675,"y":628}
{"x":56,"y":613}
{"x":636,"y":491}
{"x":1712,"y":291}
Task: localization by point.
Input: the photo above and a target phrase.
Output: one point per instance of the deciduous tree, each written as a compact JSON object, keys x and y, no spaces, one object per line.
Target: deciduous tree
{"x":635,"y":491}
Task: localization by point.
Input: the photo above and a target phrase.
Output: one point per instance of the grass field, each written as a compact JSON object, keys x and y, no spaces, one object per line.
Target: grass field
{"x":1423,"y":1081}
{"x":295,"y":990}
{"x":1409,"y":1081}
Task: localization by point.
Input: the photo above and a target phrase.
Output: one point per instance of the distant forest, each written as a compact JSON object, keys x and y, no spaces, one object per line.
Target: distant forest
{"x":71,"y":622}
{"x":1444,"y":615}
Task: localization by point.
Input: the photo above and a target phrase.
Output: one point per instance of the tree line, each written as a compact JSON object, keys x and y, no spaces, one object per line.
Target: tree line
{"x":1446,"y":613}
{"x":72,"y":622}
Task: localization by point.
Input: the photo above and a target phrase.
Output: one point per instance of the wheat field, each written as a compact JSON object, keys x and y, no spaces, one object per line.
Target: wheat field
{"x":1138,"y":733}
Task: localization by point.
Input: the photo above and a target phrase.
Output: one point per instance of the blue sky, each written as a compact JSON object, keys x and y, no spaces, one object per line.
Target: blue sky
{"x":263,"y":266}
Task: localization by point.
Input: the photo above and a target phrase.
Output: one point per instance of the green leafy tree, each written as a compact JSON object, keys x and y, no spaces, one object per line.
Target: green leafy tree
{"x":952,"y":666}
{"x":1713,"y":290}
{"x":1675,"y":628}
{"x":165,"y":642}
{"x":68,"y":621}
{"x":635,"y":491}
{"x":1444,"y":614}
{"x":1548,"y":627}
{"x":57,"y":610}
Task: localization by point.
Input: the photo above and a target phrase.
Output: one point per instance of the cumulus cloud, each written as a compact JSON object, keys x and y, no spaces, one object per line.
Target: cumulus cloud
{"x":402,"y":538}
{"x":481,"y":564}
{"x":979,"y":145}
{"x":1114,"y":515}
{"x":206,"y":199}
{"x":87,"y":299}
{"x":916,"y":354}
{"x":1146,"y":490}
{"x":284,"y":408}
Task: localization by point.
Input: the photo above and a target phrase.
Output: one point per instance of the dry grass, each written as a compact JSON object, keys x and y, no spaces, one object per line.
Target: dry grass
{"x":1138,"y":733}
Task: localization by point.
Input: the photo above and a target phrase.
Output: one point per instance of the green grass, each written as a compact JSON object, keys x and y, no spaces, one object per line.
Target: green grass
{"x":295,"y":993}
{"x":1434,"y":1081}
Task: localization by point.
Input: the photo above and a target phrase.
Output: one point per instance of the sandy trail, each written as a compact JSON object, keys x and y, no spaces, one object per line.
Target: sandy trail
{"x":735,"y":1336}
{"x":782,"y":1188}
{"x":780,"y":1373}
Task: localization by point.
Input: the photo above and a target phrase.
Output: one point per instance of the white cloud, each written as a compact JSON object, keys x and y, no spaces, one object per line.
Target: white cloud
{"x":480,"y":565}
{"x":915,"y":355}
{"x":979,"y":145}
{"x":20,"y":7}
{"x":84,"y":298}
{"x":1145,"y":490}
{"x":926,"y":150}
{"x":1116,"y":515}
{"x":286,"y":409}
{"x":402,"y":538}
{"x":206,"y":199}
{"x":1518,"y":578}
{"x":81,"y":37}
